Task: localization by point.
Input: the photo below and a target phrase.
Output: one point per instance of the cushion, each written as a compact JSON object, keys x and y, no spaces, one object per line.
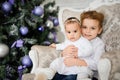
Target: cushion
{"x":111,"y":26}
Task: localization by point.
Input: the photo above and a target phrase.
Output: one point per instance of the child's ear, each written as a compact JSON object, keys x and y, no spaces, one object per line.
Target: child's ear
{"x":100,"y":30}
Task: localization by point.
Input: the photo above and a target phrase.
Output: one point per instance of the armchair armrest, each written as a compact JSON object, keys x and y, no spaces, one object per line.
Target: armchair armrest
{"x":42,"y":56}
{"x":111,"y":61}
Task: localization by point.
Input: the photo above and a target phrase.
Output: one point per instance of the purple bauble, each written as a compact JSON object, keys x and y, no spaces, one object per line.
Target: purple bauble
{"x":56,"y":22}
{"x":46,"y":43}
{"x":20,"y":67}
{"x":23,"y":30}
{"x":19,"y":43}
{"x":41,"y":28}
{"x":26,"y":61}
{"x":38,"y":11}
{"x":6,"y":7}
{"x":20,"y":71}
{"x":12,"y":2}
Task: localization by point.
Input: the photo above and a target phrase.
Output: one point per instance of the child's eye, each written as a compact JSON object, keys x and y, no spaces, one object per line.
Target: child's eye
{"x":68,"y":32}
{"x":93,"y":28}
{"x":75,"y":31}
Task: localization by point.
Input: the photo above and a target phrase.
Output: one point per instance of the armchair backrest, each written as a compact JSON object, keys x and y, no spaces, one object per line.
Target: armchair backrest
{"x":111,"y":26}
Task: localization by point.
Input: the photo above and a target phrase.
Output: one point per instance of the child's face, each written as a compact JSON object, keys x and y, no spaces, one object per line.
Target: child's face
{"x":90,"y":28}
{"x":73,"y":31}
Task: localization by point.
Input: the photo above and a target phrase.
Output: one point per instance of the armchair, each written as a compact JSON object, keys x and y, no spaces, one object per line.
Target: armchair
{"x":41,"y":56}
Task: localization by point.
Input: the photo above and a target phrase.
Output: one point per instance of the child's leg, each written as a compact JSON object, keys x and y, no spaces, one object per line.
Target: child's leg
{"x":84,"y":73}
{"x":58,"y":76}
{"x":86,"y":79}
{"x":70,"y":77}
{"x":104,"y":67}
{"x":83,"y":77}
{"x":64,"y":77}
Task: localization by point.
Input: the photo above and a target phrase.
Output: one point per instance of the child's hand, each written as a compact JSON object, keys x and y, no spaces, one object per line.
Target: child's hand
{"x":75,"y":54}
{"x":70,"y":61}
{"x":69,"y":50}
{"x":53,"y":45}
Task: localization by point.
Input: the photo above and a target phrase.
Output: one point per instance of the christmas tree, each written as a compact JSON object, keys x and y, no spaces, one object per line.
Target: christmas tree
{"x":24,"y":23}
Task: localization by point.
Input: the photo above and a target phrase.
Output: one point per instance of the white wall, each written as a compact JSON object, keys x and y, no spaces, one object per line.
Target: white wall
{"x":73,"y":3}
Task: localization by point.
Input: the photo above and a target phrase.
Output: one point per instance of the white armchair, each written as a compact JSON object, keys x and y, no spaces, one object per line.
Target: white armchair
{"x":41,"y":56}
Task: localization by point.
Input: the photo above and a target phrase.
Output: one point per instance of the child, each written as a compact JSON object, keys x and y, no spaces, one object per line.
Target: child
{"x":73,"y":34}
{"x":91,"y":23}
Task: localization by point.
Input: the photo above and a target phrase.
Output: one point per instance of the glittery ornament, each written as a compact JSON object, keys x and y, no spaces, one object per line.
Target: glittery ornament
{"x":26,"y":61}
{"x":23,"y":30}
{"x":20,"y":71}
{"x":46,"y":43}
{"x":38,"y":11}
{"x":11,"y":2}
{"x":49,"y":24}
{"x":19,"y":43}
{"x":6,"y":7}
{"x":4,"y":49}
{"x":56,"y":22}
{"x":41,"y":28}
{"x":51,"y":35}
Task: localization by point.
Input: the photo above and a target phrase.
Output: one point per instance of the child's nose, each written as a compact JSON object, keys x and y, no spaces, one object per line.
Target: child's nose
{"x":72,"y":34}
{"x":88,"y":30}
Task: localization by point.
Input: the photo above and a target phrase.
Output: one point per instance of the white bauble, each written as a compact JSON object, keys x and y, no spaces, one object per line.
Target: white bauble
{"x":4,"y":49}
{"x":49,"y":24}
{"x":51,"y":35}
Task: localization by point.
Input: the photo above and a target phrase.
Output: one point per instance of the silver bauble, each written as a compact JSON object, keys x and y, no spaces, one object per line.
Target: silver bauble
{"x":49,"y":24}
{"x":4,"y":49}
{"x":51,"y":35}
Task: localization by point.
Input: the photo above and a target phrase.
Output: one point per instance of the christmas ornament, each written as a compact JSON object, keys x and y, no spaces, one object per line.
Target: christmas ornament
{"x":55,"y":35}
{"x":49,"y":24}
{"x":4,"y":49}
{"x":6,"y":7}
{"x":20,"y":71}
{"x":56,"y":22}
{"x":41,"y":28}
{"x":46,"y":43}
{"x":51,"y":35}
{"x":18,"y":43}
{"x":23,"y":30}
{"x":38,"y":11}
{"x":11,"y":2}
{"x":26,"y":61}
